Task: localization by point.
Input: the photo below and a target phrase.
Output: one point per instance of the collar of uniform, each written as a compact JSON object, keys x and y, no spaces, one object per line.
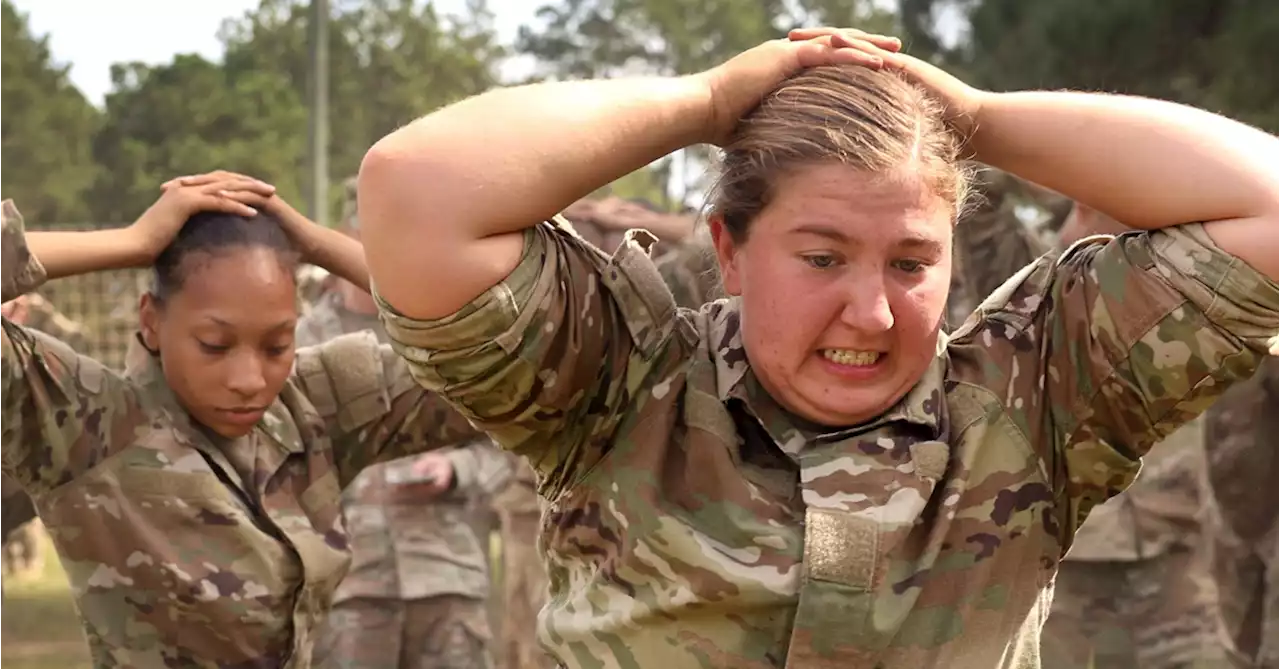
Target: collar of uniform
{"x":143,"y":367}
{"x":923,"y":405}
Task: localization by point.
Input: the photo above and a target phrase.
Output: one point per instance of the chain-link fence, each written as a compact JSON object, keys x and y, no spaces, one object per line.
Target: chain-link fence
{"x":104,"y":304}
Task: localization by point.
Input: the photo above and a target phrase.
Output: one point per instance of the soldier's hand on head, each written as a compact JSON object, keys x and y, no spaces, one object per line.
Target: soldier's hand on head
{"x":737,"y":86}
{"x":963,"y":102}
{"x":184,"y":197}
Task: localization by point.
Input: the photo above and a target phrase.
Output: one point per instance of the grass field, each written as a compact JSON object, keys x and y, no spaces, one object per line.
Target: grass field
{"x":40,"y":628}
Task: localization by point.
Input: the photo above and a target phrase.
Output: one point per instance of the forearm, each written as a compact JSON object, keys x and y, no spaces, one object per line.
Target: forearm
{"x":503,"y":161}
{"x":335,"y":252}
{"x":1146,"y":163}
{"x":69,"y":253}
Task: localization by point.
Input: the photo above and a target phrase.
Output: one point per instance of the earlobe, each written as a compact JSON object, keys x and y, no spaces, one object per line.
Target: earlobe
{"x":726,"y":254}
{"x":148,"y":321}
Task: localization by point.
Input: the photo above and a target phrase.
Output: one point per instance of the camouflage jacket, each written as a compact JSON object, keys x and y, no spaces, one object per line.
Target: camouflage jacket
{"x":16,"y":508}
{"x":1243,"y":445}
{"x":691,"y":272}
{"x":184,"y":550}
{"x":691,"y":522}
{"x":405,"y":548}
{"x":1161,"y":509}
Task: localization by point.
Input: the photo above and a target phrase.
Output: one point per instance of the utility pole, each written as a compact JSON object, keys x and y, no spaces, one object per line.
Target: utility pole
{"x":318,"y":116}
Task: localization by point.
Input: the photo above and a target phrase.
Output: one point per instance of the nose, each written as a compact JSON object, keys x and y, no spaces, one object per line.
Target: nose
{"x":246,"y":378}
{"x":866,"y":308}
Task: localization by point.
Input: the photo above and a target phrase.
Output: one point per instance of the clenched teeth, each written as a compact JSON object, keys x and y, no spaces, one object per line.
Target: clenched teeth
{"x":851,"y":358}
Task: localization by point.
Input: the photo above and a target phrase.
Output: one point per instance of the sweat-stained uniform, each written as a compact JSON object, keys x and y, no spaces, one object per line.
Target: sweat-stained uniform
{"x":184,"y":549}
{"x":416,"y":593}
{"x":692,"y":522}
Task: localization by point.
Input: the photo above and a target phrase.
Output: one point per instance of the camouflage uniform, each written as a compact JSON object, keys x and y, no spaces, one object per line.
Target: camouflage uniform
{"x":1242,"y":443}
{"x":22,"y":536}
{"x":417,"y":589}
{"x":1134,"y":591}
{"x":691,"y":522}
{"x":184,"y":549}
{"x":602,"y":223}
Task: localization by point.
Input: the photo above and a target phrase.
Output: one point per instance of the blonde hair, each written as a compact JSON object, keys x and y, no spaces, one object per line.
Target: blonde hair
{"x":870,"y":120}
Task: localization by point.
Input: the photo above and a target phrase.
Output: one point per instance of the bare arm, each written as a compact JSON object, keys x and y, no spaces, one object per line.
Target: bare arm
{"x":321,"y":246}
{"x":71,"y":253}
{"x":441,"y":198}
{"x":1147,"y":163}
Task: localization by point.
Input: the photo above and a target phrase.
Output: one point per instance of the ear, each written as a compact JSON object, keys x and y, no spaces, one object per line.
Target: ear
{"x":726,"y":254}
{"x":149,"y":316}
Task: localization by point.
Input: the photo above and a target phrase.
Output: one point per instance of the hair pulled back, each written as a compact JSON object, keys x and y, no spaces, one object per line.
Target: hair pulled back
{"x":210,"y":233}
{"x":871,"y":120}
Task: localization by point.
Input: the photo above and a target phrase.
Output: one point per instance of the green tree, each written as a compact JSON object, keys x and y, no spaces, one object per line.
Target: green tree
{"x":574,"y":39}
{"x":593,"y":38}
{"x":46,"y":129}
{"x":193,"y":116}
{"x":390,"y":61}
{"x":1215,"y":54}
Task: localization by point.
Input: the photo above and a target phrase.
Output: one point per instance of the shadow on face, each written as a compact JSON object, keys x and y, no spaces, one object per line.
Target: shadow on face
{"x":225,"y":334}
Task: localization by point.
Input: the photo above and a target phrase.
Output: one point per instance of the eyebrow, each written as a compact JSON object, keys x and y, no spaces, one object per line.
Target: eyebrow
{"x":835,"y":234}
{"x":282,"y":325}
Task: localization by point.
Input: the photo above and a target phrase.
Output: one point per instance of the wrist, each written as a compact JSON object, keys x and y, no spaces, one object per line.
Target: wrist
{"x":130,"y":246}
{"x":981,"y":124}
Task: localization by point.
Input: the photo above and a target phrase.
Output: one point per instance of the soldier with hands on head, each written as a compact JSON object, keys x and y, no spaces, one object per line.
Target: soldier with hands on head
{"x":811,"y":473}
{"x":194,"y":499}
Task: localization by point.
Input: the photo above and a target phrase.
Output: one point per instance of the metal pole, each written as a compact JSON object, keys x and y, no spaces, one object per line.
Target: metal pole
{"x":318,"y":118}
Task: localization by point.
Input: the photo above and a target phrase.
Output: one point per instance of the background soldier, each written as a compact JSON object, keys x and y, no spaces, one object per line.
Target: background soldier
{"x":419,"y":581}
{"x":1242,"y":437}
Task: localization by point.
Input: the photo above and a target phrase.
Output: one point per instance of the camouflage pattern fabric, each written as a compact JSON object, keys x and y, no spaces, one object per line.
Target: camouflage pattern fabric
{"x":691,"y":272}
{"x":183,"y":549}
{"x":446,"y":632}
{"x":690,"y":522}
{"x":1160,"y":612}
{"x":604,"y":222}
{"x":1136,"y":589}
{"x":1126,"y":537}
{"x":990,"y":245}
{"x":1241,"y":436}
{"x":404,"y":549}
{"x":22,"y":547}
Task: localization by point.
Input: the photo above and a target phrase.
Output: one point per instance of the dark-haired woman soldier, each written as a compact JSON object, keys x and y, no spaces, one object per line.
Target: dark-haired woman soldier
{"x":193,"y":499}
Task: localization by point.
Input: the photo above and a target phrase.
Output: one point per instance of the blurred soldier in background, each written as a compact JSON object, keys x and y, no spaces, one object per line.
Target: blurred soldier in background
{"x":416,"y":594}
{"x":1242,"y":438}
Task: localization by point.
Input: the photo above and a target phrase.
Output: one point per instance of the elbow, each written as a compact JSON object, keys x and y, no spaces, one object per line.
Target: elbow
{"x":393,"y":183}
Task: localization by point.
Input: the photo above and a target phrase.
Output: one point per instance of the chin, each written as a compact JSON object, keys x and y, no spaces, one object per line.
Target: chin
{"x":854,"y":411}
{"x":229,"y":431}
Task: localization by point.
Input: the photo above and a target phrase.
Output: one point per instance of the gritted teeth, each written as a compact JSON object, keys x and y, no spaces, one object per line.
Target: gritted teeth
{"x":851,"y":358}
